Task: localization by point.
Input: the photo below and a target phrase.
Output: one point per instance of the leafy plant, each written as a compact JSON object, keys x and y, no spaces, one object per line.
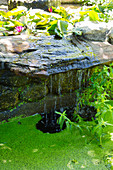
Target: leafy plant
{"x":64,"y":119}
{"x":58,"y":21}
{"x":98,"y":94}
{"x":94,"y":2}
{"x":97,"y":13}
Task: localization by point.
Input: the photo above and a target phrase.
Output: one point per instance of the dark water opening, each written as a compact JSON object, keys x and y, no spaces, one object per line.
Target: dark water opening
{"x":87,"y":112}
{"x":48,"y":123}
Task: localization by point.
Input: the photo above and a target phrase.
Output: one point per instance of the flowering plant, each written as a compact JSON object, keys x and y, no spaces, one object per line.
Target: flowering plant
{"x":19,"y":28}
{"x":50,"y":9}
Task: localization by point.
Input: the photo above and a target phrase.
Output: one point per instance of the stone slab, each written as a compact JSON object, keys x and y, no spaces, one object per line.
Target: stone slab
{"x":46,"y":55}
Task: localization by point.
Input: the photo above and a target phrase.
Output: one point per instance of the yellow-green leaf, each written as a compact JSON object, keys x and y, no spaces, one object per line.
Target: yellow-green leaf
{"x":4,"y":14}
{"x":16,"y":12}
{"x":93,"y":16}
{"x":9,"y":14}
{"x":17,"y":23}
{"x":1,"y":23}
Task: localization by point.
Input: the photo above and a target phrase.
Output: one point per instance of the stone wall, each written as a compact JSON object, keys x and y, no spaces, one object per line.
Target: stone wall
{"x":20,"y":94}
{"x":24,"y":95}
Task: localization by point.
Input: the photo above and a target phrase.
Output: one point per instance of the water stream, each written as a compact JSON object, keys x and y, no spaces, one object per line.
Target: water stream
{"x":60,"y":84}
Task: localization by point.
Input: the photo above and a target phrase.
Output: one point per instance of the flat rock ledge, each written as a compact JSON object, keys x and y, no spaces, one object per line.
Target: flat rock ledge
{"x":45,"y":55}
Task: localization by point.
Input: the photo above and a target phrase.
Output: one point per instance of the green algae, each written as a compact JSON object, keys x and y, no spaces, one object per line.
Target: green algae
{"x":24,"y":147}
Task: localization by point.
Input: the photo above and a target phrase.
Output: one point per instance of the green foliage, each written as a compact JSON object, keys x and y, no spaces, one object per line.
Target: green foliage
{"x":59,"y":22}
{"x":99,"y":12}
{"x":91,"y":13}
{"x":58,"y":27}
{"x":63,"y":118}
{"x":94,"y":2}
{"x":98,"y":94}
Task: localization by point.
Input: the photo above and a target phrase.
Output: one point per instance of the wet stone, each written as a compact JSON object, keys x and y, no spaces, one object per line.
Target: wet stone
{"x":33,"y":92}
{"x":8,"y":98}
{"x":8,"y":78}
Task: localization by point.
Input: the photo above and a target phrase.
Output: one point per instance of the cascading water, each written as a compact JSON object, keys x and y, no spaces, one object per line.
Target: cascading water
{"x":45,"y":110}
{"x":48,"y":124}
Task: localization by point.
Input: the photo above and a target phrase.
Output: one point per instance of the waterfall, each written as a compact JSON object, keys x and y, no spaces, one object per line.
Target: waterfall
{"x":59,"y":85}
{"x":2,"y":66}
{"x":51,"y":84}
{"x":79,"y":77}
{"x":45,"y":109}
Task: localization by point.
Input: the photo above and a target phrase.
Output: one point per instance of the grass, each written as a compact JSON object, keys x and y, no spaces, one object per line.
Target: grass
{"x":23,"y":147}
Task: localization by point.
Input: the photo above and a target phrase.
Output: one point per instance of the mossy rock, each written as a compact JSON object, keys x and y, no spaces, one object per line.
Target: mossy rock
{"x":8,"y":78}
{"x":34,"y":92}
{"x":8,"y":98}
{"x":68,"y":82}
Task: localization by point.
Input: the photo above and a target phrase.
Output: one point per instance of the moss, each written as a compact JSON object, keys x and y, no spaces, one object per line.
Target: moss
{"x":34,"y":92}
{"x":9,"y":99}
{"x":24,"y":147}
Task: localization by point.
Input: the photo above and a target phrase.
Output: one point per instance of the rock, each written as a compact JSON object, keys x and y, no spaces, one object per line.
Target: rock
{"x":63,"y":82}
{"x":8,"y":97}
{"x":110,"y":36}
{"x":3,"y":8}
{"x":13,"y":44}
{"x":33,"y":92}
{"x":3,"y":2}
{"x":50,"y":102}
{"x":47,"y":56}
{"x":8,"y":78}
{"x":34,"y":4}
{"x":94,"y":31}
